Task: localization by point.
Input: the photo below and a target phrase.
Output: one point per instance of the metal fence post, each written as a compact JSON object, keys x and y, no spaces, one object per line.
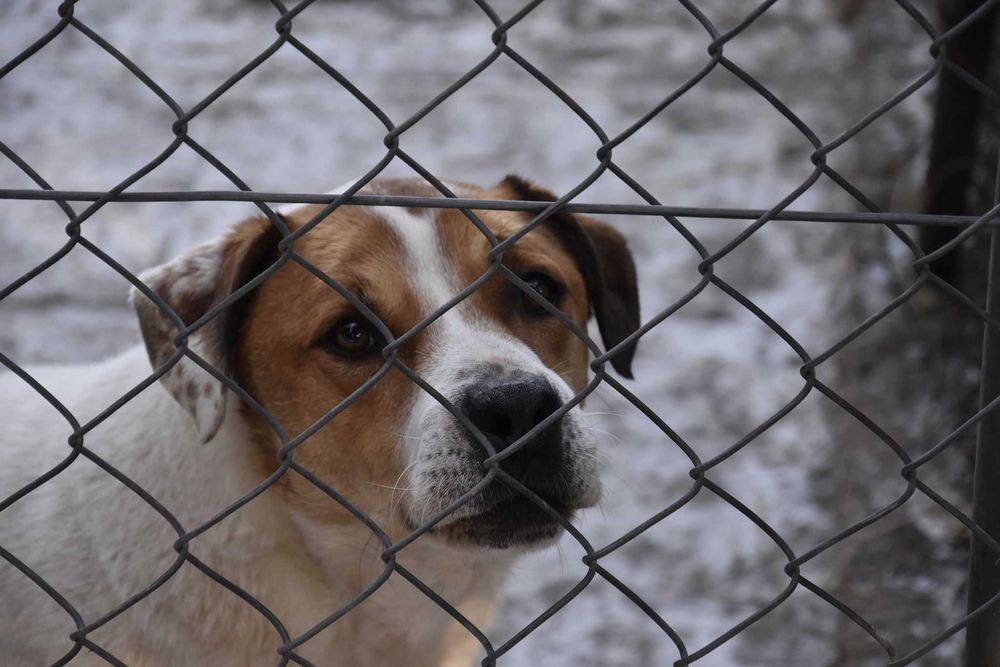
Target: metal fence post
{"x":982,"y":639}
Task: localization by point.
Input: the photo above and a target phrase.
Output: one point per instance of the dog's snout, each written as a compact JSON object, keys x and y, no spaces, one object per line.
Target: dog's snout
{"x":506,"y":409}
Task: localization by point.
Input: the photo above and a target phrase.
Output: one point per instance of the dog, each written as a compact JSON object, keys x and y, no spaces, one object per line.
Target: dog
{"x":297,"y":348}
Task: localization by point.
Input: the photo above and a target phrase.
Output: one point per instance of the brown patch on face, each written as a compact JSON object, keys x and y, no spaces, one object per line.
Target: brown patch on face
{"x":285,"y":365}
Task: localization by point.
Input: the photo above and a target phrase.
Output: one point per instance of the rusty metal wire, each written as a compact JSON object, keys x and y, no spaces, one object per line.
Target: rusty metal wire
{"x":80,"y":206}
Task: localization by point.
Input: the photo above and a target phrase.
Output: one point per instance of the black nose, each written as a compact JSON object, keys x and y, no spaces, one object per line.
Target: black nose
{"x":505,"y":409}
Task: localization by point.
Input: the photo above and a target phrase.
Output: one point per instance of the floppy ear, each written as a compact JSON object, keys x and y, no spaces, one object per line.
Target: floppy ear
{"x":192,"y":285}
{"x":607,"y":267}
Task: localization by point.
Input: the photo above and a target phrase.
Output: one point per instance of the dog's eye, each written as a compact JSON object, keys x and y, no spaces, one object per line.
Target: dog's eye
{"x":352,"y":337}
{"x":546,"y":286}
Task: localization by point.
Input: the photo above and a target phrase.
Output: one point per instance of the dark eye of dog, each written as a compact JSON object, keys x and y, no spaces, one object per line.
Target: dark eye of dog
{"x":352,"y":337}
{"x":546,"y":286}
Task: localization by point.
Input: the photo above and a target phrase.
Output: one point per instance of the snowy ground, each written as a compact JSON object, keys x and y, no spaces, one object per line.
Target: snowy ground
{"x":712,"y":371}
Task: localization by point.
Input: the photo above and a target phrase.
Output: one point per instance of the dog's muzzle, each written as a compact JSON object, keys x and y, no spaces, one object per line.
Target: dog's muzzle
{"x":553,"y":458}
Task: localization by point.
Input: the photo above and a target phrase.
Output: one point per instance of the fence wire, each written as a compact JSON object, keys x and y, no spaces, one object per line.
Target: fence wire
{"x":80,"y":206}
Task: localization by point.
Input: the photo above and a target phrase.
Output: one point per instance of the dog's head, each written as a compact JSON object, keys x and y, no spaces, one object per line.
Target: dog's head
{"x":506,"y":364}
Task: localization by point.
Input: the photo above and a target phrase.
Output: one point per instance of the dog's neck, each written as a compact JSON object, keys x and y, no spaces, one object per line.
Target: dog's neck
{"x":400,"y":624}
{"x":304,"y":570}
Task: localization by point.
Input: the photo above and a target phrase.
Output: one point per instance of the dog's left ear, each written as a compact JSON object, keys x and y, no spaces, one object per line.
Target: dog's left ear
{"x":192,"y":285}
{"x":606,"y":263}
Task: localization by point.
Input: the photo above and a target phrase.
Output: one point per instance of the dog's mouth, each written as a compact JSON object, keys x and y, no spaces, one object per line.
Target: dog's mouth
{"x":503,"y":515}
{"x":514,"y":522}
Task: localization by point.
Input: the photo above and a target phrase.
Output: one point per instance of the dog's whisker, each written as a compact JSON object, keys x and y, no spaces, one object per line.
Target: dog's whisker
{"x":608,"y":434}
{"x":395,"y":487}
{"x":392,"y":488}
{"x":610,"y":413}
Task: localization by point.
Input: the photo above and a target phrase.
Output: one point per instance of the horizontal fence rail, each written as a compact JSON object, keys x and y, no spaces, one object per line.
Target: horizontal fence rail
{"x":647,"y":210}
{"x":78,"y":207}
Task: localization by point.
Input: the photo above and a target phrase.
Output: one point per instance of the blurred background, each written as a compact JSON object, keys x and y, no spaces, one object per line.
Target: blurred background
{"x":713,"y":371}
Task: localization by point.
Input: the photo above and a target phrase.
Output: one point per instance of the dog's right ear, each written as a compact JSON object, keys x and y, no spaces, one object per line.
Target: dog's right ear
{"x":192,"y":285}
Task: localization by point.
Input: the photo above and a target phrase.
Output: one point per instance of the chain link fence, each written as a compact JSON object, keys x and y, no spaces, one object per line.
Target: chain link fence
{"x":79,"y":206}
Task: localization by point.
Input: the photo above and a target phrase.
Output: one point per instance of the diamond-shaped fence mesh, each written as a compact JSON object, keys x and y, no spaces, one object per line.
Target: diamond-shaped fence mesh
{"x":80,"y":206}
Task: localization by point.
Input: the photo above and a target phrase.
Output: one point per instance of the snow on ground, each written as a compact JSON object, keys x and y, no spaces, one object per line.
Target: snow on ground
{"x":712,"y":371}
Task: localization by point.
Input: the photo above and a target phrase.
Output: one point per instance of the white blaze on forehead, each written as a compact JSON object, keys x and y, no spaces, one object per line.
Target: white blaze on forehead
{"x":462,"y":335}
{"x":429,"y":272}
